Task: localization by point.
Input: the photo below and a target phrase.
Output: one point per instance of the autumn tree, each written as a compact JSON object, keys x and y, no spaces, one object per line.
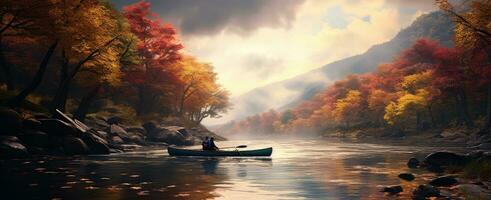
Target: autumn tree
{"x":473,"y":35}
{"x":349,"y":109}
{"x":158,"y":52}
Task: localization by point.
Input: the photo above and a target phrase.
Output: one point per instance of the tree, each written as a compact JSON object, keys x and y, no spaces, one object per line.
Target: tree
{"x":349,"y":109}
{"x":473,"y":34}
{"x":158,"y":52}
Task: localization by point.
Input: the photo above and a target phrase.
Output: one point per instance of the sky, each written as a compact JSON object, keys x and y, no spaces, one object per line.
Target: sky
{"x":252,"y":43}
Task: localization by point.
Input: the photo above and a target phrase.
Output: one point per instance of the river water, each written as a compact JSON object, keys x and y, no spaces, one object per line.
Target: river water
{"x":298,"y":169}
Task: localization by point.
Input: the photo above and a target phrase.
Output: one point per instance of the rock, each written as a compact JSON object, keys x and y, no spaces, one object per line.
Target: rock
{"x":97,"y":124}
{"x":434,"y":168}
{"x":35,"y":139}
{"x":444,"y":181}
{"x":406,"y":176}
{"x":425,"y":191}
{"x":10,"y":122}
{"x":392,"y":190}
{"x":115,"y":130}
{"x":413,"y":163}
{"x":115,"y":120}
{"x":74,"y":146}
{"x":149,"y":127}
{"x":11,"y":148}
{"x":472,"y":191}
{"x":171,"y":135}
{"x":137,"y":129}
{"x":485,"y":146}
{"x":96,"y":144}
{"x":31,"y":123}
{"x":117,"y":140}
{"x":444,"y":158}
{"x":57,"y":127}
{"x":137,"y":139}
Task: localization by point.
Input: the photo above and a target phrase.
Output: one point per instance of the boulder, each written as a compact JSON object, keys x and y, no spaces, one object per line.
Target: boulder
{"x":115,"y":120}
{"x":31,"y":123}
{"x":137,"y":139}
{"x":74,"y":146}
{"x":150,"y":127}
{"x":392,"y":190}
{"x":57,"y":127}
{"x":413,"y":163}
{"x":117,"y":140}
{"x":137,"y":129}
{"x":171,"y":135}
{"x":10,"y":122}
{"x":96,"y":144}
{"x":424,"y":191}
{"x":11,"y":148}
{"x":484,"y":146}
{"x":444,"y":181}
{"x":35,"y":139}
{"x":97,"y":123}
{"x":444,"y":158}
{"x":406,"y":176}
{"x":115,"y":130}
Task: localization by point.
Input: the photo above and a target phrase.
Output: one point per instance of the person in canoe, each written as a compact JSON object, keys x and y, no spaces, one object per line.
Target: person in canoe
{"x":205,"y":143}
{"x":211,"y":145}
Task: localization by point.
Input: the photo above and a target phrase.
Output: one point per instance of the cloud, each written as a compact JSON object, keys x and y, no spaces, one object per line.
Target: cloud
{"x":208,"y":17}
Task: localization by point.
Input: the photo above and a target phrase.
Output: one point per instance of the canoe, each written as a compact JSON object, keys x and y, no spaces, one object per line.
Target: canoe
{"x":193,"y":152}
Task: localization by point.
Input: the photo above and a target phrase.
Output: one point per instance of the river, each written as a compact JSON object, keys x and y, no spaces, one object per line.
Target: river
{"x":298,"y":169}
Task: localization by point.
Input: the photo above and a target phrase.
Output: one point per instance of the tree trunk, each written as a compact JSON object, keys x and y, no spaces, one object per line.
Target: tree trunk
{"x":37,"y":78}
{"x":141,"y":104}
{"x":432,"y":118}
{"x":83,"y":107}
{"x":461,"y":100}
{"x":9,"y":79}
{"x":59,"y":101}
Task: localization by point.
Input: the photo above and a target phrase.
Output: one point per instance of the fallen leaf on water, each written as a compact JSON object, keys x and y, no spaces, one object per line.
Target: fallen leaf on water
{"x":50,"y":172}
{"x":91,"y":188}
{"x":123,"y":174}
{"x":105,"y":178}
{"x":145,"y":183}
{"x":89,"y":182}
{"x":134,"y":176}
{"x":40,"y":169}
{"x":66,"y":187}
{"x":93,"y":173}
{"x":114,"y":188}
{"x":171,"y":186}
{"x":182,"y":195}
{"x":136,"y":188}
{"x":84,"y":179}
{"x":27,"y":162}
{"x":143,"y":193}
{"x":70,"y":175}
{"x":40,"y":162}
{"x":125,"y":184}
{"x":71,"y":182}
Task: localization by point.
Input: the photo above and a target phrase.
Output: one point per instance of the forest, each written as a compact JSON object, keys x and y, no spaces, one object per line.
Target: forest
{"x":427,"y":86}
{"x":84,"y":57}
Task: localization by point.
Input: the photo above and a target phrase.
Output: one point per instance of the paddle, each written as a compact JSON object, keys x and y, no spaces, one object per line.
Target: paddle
{"x":241,"y":146}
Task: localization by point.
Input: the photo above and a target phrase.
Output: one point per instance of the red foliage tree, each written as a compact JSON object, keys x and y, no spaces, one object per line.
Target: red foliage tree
{"x":158,"y":51}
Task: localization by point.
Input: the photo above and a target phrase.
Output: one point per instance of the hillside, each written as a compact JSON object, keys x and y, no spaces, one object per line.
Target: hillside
{"x":287,"y":93}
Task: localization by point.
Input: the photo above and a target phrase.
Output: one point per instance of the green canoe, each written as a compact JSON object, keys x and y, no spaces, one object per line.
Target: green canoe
{"x":193,"y":152}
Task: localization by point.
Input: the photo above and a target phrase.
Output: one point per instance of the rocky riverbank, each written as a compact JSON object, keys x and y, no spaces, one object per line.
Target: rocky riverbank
{"x":456,"y":136}
{"x":455,"y":176}
{"x":23,"y":134}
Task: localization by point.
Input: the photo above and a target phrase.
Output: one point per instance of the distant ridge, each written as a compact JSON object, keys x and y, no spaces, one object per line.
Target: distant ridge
{"x":288,"y":93}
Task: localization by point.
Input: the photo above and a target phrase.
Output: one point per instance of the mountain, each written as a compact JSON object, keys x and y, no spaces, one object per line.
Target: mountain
{"x":288,"y":93}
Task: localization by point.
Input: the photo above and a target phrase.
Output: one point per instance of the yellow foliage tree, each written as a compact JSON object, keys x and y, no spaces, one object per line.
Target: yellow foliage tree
{"x":349,"y":109}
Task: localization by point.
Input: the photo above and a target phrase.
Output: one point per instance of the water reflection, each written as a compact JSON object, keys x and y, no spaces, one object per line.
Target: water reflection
{"x":304,"y":169}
